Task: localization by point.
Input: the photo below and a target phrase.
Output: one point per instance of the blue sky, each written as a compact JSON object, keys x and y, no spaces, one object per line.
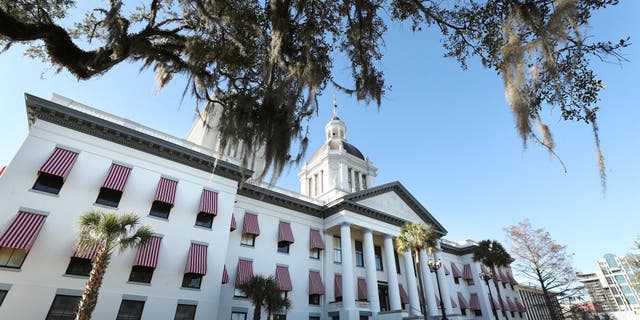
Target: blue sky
{"x":445,"y":133}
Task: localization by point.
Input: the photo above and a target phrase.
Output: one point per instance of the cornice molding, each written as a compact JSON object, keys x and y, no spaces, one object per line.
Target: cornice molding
{"x":38,"y":108}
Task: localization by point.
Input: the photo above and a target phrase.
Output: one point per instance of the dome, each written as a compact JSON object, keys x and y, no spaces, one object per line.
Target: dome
{"x":352,"y":150}
{"x":335,"y":145}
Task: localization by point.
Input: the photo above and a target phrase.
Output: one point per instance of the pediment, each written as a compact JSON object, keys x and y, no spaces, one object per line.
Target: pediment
{"x":393,"y":199}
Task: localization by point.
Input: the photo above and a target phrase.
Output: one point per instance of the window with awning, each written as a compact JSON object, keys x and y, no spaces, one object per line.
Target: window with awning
{"x":80,"y":263}
{"x":337,"y":286}
{"x":315,"y":244}
{"x":19,"y":237}
{"x":285,"y":237}
{"x":113,"y":186}
{"x":244,"y":272}
{"x":315,"y":283}
{"x":196,"y":266}
{"x":250,"y":230}
{"x":208,"y":209}
{"x":54,"y":171}
{"x":146,"y":261}
{"x":404,"y":297}
{"x":475,"y":302}
{"x":164,"y":198}
{"x":283,"y":279}
{"x":463,"y":302}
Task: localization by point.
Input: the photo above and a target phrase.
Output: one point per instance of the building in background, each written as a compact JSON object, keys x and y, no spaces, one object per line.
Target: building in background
{"x":329,"y":247}
{"x":534,"y":302}
{"x":611,"y":286}
{"x":600,"y":295}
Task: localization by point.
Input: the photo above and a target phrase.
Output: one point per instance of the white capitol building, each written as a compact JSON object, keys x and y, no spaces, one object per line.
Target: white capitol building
{"x":330,"y":246}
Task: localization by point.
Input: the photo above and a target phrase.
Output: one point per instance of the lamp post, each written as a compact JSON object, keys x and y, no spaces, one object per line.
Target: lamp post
{"x":486,"y":276}
{"x":435,"y":266}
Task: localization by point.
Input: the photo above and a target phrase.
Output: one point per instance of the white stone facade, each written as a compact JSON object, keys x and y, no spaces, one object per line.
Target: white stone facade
{"x":366,"y":220}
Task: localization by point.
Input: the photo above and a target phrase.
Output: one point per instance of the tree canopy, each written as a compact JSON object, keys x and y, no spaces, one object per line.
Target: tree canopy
{"x":265,"y":62}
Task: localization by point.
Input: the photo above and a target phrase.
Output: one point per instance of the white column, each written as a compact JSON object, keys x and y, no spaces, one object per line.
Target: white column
{"x":412,"y":284}
{"x":427,"y":281}
{"x":329,"y":294}
{"x":442,"y":280}
{"x":348,"y":292}
{"x":370,"y":265}
{"x":392,"y":274}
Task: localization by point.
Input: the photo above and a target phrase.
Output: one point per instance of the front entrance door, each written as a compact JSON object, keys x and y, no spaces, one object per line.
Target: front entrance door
{"x":383,"y":295}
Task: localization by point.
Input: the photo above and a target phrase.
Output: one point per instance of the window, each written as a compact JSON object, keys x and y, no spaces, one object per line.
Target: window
{"x":141,"y":274}
{"x":378,"y":254}
{"x":238,"y":316}
{"x":314,"y":253}
{"x":364,"y":317}
{"x":12,"y":258}
{"x":520,"y":314}
{"x":337,"y":250}
{"x":512,"y":287}
{"x":283,"y":246}
{"x":192,"y":280}
{"x":504,"y":285}
{"x":185,"y":312}
{"x":204,"y":220}
{"x":309,"y":186}
{"x":470,"y":282}
{"x":130,"y":310}
{"x":314,"y":318}
{"x":359,"y":256}
{"x":279,"y":317}
{"x":3,"y":293}
{"x":314,"y":299}
{"x":315,"y":184}
{"x":321,"y":180}
{"x":463,"y":311}
{"x":456,"y":280}
{"x":395,"y":257}
{"x":350,"y":179}
{"x":513,"y":314}
{"x":478,"y":313}
{"x":248,"y":240}
{"x":109,"y":197}
{"x":357,"y":180}
{"x":237,"y":293}
{"x":63,"y":308}
{"x":49,"y":183}
{"x":160,"y":209}
{"x":79,"y":267}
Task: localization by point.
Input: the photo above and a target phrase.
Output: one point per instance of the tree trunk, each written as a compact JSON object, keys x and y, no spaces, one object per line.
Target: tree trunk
{"x":421,"y":300}
{"x":547,"y":297}
{"x":257,"y":311}
{"x":92,"y":287}
{"x":495,"y":282}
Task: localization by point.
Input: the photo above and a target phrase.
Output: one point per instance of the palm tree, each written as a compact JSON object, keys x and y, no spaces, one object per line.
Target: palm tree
{"x":107,"y":232}
{"x":493,"y":255}
{"x":414,"y":237}
{"x":264,"y":291}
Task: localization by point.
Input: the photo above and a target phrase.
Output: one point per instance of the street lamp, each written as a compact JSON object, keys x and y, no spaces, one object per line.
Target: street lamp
{"x":435,"y":266}
{"x":486,"y":276}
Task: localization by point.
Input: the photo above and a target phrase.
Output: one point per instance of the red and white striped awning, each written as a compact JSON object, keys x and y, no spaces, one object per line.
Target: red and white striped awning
{"x":362,"y":289}
{"x":504,"y":277}
{"x":484,"y":268}
{"x":466,"y":272}
{"x":209,"y":202}
{"x":404,"y":297}
{"x":284,"y":232}
{"x":315,"y":283}
{"x":456,"y":271}
{"x":147,"y":255}
{"x":496,"y":275}
{"x":117,"y":177}
{"x":197,"y":259}
{"x":504,"y":305}
{"x":315,"y":240}
{"x":166,"y":191}
{"x":475,"y":302}
{"x":519,"y":305}
{"x":446,"y":270}
{"x":337,"y":285}
{"x":463,"y":302}
{"x":225,"y":275}
{"x":512,"y":306}
{"x":494,"y":303}
{"x":453,"y":302}
{"x":250,"y":224}
{"x":244,"y":272}
{"x":22,"y":231}
{"x":59,"y":163}
{"x":283,"y":280}
{"x":512,"y":280}
{"x":2,"y":169}
{"x":233,"y":226}
{"x":88,"y":254}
